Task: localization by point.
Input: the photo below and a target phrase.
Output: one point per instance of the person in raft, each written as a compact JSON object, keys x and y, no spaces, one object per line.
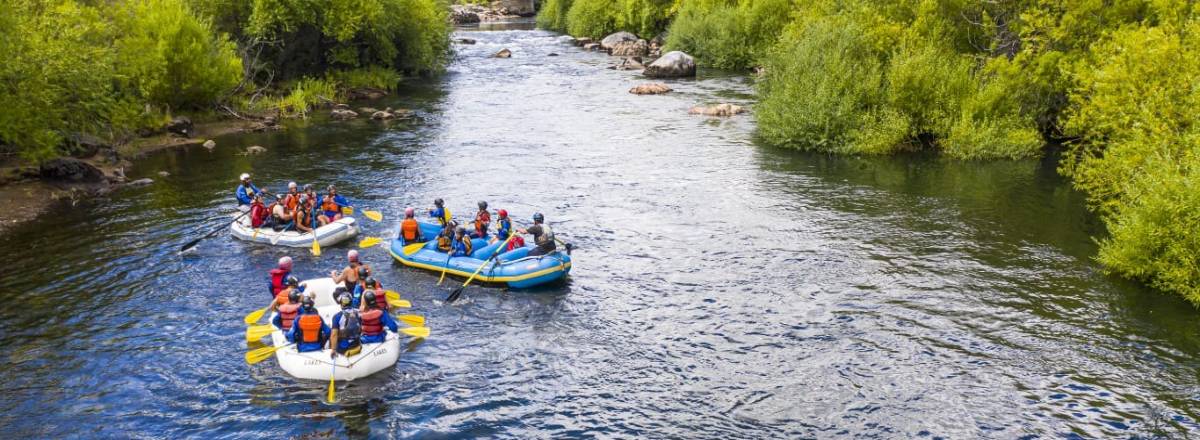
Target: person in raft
{"x":349,"y":275}
{"x":504,"y":229}
{"x":482,"y":220}
{"x":347,"y":328}
{"x":309,"y":331}
{"x":543,"y":237}
{"x":285,"y":210}
{"x":410,"y":230}
{"x":374,"y":320}
{"x":370,"y":285}
{"x":462,"y":243}
{"x":279,"y":275}
{"x":245,"y":192}
{"x":440,"y":212}
{"x":331,"y":206}
{"x":288,"y":311}
{"x":445,"y":240}
{"x":260,"y":215}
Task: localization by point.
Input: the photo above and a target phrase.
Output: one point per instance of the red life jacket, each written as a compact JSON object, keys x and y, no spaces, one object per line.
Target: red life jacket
{"x":381,"y":299}
{"x":277,"y":277}
{"x":372,"y":324}
{"x":310,"y":327}
{"x":481,"y":221}
{"x":287,"y":314}
{"x":516,"y":242}
{"x":258,"y":214}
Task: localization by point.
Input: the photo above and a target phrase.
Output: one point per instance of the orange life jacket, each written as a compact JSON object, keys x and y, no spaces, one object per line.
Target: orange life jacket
{"x":328,"y":204}
{"x":372,"y":324}
{"x":310,"y":327}
{"x":290,"y":202}
{"x":410,"y":229}
{"x":281,"y":298}
{"x":481,"y":221}
{"x":287,"y":314}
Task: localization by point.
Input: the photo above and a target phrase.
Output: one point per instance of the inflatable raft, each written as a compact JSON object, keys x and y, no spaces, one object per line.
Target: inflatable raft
{"x":328,"y":235}
{"x":515,"y":268}
{"x":316,"y":364}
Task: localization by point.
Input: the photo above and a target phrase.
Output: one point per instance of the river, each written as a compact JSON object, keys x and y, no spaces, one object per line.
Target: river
{"x":721,"y":288}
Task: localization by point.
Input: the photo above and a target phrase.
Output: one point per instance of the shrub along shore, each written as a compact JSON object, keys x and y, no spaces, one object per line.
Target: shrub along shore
{"x":1113,"y":81}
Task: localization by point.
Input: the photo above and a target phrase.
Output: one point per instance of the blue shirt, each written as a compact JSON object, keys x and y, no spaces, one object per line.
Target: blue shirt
{"x":344,"y":343}
{"x":458,"y":248}
{"x":243,"y":197}
{"x":387,"y":321}
{"x":439,"y":214}
{"x":293,"y":335}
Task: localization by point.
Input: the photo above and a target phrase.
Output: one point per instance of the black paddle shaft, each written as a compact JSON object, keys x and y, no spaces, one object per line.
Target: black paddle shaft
{"x":193,"y":243}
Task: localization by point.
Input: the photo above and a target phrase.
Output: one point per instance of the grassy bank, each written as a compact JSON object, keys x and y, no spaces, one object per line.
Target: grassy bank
{"x":1115,"y":81}
{"x":114,"y":68}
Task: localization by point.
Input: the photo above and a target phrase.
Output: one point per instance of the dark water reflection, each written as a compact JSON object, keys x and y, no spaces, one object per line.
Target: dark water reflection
{"x":721,"y":289}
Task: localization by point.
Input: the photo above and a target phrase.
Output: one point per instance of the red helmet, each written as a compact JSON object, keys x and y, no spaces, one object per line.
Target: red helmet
{"x":409,"y":212}
{"x":503,"y":213}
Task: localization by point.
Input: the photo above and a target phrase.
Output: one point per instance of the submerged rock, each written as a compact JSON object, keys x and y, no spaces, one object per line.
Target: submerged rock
{"x":582,"y":41}
{"x":70,"y":169}
{"x":209,"y":144}
{"x":671,"y":65}
{"x":717,"y":110}
{"x":164,"y":174}
{"x":503,"y":53}
{"x":141,"y":182}
{"x":343,"y":114}
{"x":463,"y":14}
{"x":591,"y":46}
{"x":631,"y":63}
{"x":180,"y":125}
{"x":465,"y":41}
{"x":650,"y":89}
{"x":255,"y":149}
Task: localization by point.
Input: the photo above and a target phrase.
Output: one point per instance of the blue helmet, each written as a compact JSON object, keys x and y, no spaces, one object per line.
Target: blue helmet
{"x":538,"y":217}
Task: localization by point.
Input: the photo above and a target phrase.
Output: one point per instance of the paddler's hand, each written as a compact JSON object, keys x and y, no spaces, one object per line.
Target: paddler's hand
{"x":333,"y":354}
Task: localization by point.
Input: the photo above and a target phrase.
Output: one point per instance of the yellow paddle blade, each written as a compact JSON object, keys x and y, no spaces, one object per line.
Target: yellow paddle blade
{"x":413,"y":320}
{"x":331,"y":386}
{"x":369,"y":241}
{"x":254,"y":333}
{"x":400,"y":303}
{"x":316,"y":249}
{"x":392,"y":295}
{"x":413,"y":248}
{"x":416,"y":332}
{"x":346,"y":210}
{"x":260,"y":354}
{"x":373,"y":215}
{"x":254,"y":316}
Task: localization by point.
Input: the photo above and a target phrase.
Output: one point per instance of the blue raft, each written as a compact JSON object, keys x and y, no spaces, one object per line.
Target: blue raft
{"x":515,"y":268}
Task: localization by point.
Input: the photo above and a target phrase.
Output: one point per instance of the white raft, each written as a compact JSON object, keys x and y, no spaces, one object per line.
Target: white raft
{"x":327,"y":235}
{"x":316,"y":364}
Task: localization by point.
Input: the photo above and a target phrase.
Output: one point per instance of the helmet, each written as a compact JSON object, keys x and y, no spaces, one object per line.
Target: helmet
{"x":437,"y":202}
{"x":371,"y":282}
{"x":344,"y":299}
{"x":294,"y":296}
{"x":285,"y":262}
{"x":291,"y":185}
{"x":460,"y":230}
{"x":292,"y":281}
{"x":369,"y":299}
{"x":339,"y":291}
{"x":330,"y":188}
{"x":363,"y":272}
{"x":308,"y":302}
{"x":409,"y":212}
{"x":482,"y":205}
{"x":244,"y":177}
{"x":352,"y":255}
{"x":503,"y":213}
{"x":538,"y":217}
{"x":308,"y":187}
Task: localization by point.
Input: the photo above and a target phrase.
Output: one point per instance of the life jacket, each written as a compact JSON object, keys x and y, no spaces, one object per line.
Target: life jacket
{"x":466,"y":245}
{"x":277,"y":277}
{"x":287,"y":314}
{"x":516,"y":242}
{"x":445,"y":243}
{"x":310,"y":328}
{"x":504,"y":228}
{"x":281,"y":298}
{"x":381,"y":299}
{"x":258,"y":214}
{"x":329,"y":204}
{"x":372,"y":322}
{"x":291,"y":202}
{"x":409,"y":229}
{"x":350,"y":326}
{"x":481,"y":221}
{"x":546,"y":239}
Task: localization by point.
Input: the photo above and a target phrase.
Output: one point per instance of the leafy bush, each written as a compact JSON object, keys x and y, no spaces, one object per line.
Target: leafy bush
{"x":730,"y":36}
{"x":598,"y":18}
{"x":305,"y":94}
{"x":374,"y":77}
{"x":553,"y":15}
{"x":592,"y":18}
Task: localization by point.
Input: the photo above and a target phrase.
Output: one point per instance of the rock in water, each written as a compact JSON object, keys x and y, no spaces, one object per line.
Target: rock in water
{"x":70,"y":169}
{"x":583,"y":41}
{"x":637,"y":48}
{"x":650,"y":89}
{"x":255,"y":149}
{"x":503,"y":53}
{"x":462,"y":14}
{"x":210,"y":144}
{"x":180,"y":125}
{"x":672,"y":65}
{"x":718,"y":110}
{"x":619,"y":37}
{"x":141,"y":182}
{"x":164,"y":174}
{"x":341,"y":107}
{"x":551,"y":54}
{"x":631,"y":63}
{"x":343,"y":114}
{"x":383,"y":114}
{"x":465,"y":41}
{"x":591,"y":46}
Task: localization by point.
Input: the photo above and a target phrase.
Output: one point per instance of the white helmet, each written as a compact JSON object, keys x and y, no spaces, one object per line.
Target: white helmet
{"x":245,"y":177}
{"x":285,"y":262}
{"x":352,"y":255}
{"x":291,"y":185}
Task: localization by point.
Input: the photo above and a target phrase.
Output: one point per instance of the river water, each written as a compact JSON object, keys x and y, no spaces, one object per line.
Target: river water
{"x":721,"y":288}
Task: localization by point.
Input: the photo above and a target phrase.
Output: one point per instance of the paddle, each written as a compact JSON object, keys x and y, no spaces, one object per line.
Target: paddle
{"x":457,"y":292}
{"x":369,"y":241}
{"x":373,"y":215}
{"x":416,"y":332}
{"x":413,"y":320}
{"x":254,"y":316}
{"x":256,"y":332}
{"x":332,"y":372}
{"x":275,"y":239}
{"x":316,"y":247}
{"x":193,"y":243}
{"x":400,"y":303}
{"x":392,"y":295}
{"x":261,"y":354}
{"x":410,"y":249}
{"x":449,"y":255}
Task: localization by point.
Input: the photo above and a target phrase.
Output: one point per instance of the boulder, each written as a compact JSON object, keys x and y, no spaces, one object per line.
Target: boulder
{"x":637,"y":48}
{"x":658,"y":40}
{"x":210,"y":144}
{"x":717,"y":110}
{"x":582,"y":41}
{"x":672,"y":65}
{"x":650,"y":89}
{"x":255,"y":149}
{"x":70,"y":169}
{"x":384,"y":114}
{"x":465,"y":41}
{"x":343,"y":114}
{"x":524,"y":8}
{"x":180,"y":125}
{"x":631,"y":63}
{"x":462,"y":14}
{"x":83,"y":145}
{"x":141,"y":182}
{"x":503,"y":53}
{"x":591,"y":46}
{"x":341,"y":107}
{"x":367,"y":110}
{"x":607,"y":43}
